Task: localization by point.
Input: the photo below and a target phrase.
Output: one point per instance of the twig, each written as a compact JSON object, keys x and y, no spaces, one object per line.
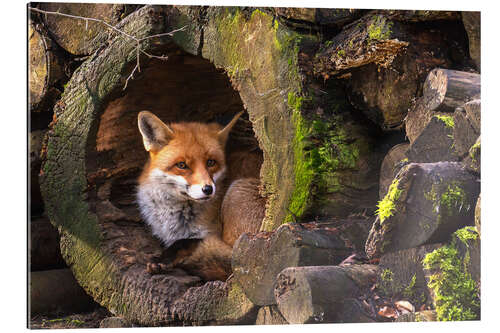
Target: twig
{"x":137,"y":40}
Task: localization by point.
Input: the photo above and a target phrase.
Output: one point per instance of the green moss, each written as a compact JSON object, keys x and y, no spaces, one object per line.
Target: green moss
{"x":447,"y":120}
{"x":456,"y":293}
{"x":379,"y":29}
{"x":453,"y":197}
{"x":386,"y":275}
{"x":304,"y":172}
{"x":467,"y":233}
{"x":473,"y":151}
{"x":409,"y":291}
{"x":386,"y":207}
{"x":341,"y":53}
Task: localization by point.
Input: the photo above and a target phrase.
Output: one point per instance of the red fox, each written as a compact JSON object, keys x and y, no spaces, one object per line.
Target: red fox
{"x":181,"y":191}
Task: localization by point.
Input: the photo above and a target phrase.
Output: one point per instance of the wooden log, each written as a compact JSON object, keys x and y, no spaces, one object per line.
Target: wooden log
{"x":319,"y":16}
{"x":420,"y":316}
{"x":384,"y":61}
{"x":477,"y":215}
{"x":77,"y":36}
{"x":45,"y":71}
{"x":401,"y":275}
{"x":391,"y":164}
{"x":464,"y":133}
{"x":45,"y":252}
{"x":421,"y":15}
{"x":435,"y":143}
{"x":427,"y":203}
{"x":318,"y":294}
{"x":472,"y":24}
{"x":35,"y":199}
{"x":473,"y":160}
{"x":473,"y":110}
{"x":445,"y":90}
{"x":257,"y":259}
{"x":56,"y":291}
{"x":270,"y":315}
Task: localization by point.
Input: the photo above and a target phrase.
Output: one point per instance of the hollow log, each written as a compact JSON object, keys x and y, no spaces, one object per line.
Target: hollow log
{"x":445,"y":90}
{"x":230,"y":60}
{"x":319,"y":294}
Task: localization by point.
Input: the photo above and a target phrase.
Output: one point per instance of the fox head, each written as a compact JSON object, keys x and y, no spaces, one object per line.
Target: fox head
{"x":186,"y":159}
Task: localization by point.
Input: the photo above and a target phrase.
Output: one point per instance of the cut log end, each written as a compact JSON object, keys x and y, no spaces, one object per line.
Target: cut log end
{"x":444,"y":89}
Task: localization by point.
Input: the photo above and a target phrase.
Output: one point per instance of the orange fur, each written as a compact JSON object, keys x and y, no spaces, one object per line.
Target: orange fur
{"x":168,"y":192}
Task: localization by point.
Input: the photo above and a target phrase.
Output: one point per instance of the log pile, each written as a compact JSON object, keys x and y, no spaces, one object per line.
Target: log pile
{"x":328,"y":99}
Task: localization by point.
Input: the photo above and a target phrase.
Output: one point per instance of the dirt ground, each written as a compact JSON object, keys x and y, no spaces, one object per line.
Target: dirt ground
{"x":80,"y":320}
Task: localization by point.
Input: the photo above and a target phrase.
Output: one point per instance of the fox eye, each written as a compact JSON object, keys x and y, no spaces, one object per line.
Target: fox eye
{"x":210,"y":163}
{"x":181,"y":165}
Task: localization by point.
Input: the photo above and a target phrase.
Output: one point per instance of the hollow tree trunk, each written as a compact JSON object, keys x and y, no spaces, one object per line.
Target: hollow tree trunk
{"x":94,"y":152}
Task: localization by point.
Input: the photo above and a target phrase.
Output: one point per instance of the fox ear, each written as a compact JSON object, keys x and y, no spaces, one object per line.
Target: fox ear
{"x":224,"y":133}
{"x":155,"y":133}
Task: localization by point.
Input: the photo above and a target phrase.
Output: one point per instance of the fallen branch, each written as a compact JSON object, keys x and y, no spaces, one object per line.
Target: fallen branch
{"x":137,"y":40}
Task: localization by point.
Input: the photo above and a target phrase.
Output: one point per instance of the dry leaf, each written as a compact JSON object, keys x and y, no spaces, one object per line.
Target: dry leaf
{"x":388,"y":312}
{"x":404,"y":306}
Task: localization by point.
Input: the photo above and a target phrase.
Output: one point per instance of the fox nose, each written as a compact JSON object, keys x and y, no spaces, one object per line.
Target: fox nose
{"x":207,"y":189}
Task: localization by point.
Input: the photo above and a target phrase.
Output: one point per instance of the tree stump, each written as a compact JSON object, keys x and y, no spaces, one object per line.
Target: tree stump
{"x":230,"y":60}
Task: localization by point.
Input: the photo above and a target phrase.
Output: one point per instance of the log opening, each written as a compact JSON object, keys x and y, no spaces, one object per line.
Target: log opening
{"x":183,"y":88}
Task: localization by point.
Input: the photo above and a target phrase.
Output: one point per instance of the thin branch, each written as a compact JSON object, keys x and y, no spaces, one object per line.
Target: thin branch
{"x":137,"y":40}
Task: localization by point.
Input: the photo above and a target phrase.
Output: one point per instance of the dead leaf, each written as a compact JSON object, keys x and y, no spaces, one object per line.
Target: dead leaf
{"x":388,"y":312}
{"x":404,"y":306}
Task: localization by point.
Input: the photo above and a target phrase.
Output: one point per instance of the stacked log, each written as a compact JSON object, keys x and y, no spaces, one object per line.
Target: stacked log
{"x":317,"y":112}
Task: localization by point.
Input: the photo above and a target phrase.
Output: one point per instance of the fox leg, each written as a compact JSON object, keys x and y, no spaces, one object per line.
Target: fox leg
{"x":209,"y":258}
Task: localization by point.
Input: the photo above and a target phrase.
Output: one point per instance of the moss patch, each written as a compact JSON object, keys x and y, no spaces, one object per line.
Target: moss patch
{"x":386,"y":207}
{"x":447,"y":120}
{"x":453,"y":197}
{"x":379,"y":29}
{"x":467,"y":233}
{"x":456,"y":293}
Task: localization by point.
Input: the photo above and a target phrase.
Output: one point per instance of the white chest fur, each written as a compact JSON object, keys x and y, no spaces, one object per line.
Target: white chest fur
{"x":169,"y":217}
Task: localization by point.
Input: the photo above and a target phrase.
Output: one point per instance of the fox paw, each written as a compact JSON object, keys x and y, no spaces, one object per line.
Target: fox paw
{"x":156,"y":268}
